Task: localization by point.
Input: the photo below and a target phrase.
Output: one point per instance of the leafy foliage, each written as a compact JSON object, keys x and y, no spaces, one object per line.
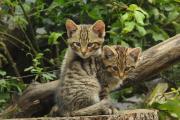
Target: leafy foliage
{"x":36,"y":29}
{"x":169,"y":105}
{"x":8,"y":85}
{"x":38,"y":70}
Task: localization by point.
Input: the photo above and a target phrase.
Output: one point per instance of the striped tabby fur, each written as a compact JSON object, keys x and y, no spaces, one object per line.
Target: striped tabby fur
{"x":79,"y":86}
{"x":84,"y":41}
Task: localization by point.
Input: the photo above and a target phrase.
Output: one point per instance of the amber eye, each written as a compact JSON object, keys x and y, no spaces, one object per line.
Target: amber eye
{"x":90,"y":44}
{"x":115,"y":68}
{"x":76,"y":44}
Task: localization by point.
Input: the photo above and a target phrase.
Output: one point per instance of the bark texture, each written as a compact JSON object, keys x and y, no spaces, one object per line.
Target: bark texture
{"x":154,"y":60}
{"x":138,"y":114}
{"x":157,"y":58}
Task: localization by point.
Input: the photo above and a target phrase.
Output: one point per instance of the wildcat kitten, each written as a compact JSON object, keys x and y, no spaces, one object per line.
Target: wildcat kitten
{"x":83,"y":40}
{"x":115,"y":64}
{"x":79,"y":86}
{"x":118,"y":62}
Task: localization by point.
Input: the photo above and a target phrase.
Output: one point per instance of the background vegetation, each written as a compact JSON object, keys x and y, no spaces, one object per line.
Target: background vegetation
{"x":33,"y":41}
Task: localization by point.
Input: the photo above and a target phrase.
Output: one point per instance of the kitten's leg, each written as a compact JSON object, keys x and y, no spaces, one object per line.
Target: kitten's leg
{"x":102,"y":107}
{"x":54,"y":111}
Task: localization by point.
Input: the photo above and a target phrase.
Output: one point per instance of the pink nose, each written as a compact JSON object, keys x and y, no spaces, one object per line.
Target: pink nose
{"x":83,"y":53}
{"x":121,"y":74}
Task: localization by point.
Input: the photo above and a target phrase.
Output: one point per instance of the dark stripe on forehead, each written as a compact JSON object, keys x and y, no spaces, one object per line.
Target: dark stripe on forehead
{"x":83,"y":37}
{"x":121,"y":56}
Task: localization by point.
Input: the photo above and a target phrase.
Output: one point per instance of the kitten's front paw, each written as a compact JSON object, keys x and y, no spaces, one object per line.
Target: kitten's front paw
{"x":107,"y":111}
{"x":114,"y":111}
{"x":54,"y":111}
{"x":110,"y":111}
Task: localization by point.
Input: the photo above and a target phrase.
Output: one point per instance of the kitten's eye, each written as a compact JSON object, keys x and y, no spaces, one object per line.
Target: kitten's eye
{"x":115,"y":68}
{"x":133,"y":67}
{"x":77,"y":44}
{"x":90,"y":44}
{"x":127,"y":68}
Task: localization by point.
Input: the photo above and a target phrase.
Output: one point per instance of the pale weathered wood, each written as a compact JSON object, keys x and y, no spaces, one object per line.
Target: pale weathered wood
{"x":157,"y":58}
{"x":37,"y":100}
{"x":154,"y":60}
{"x":138,"y":114}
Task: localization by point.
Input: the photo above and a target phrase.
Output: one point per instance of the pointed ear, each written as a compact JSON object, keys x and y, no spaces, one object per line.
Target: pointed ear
{"x":135,"y":53}
{"x":99,"y":28}
{"x":70,"y":27}
{"x":107,"y":52}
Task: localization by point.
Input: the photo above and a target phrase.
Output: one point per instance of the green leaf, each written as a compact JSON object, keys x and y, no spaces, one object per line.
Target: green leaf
{"x":133,"y":7}
{"x":116,"y":24}
{"x":126,"y":17}
{"x":172,"y":106}
{"x":2,"y":73}
{"x":115,"y":39}
{"x":4,"y":96}
{"x":54,"y":37}
{"x":129,"y":26}
{"x":95,"y":13}
{"x":123,"y":43}
{"x":28,"y":69}
{"x":48,"y":76}
{"x":176,"y":26}
{"x":152,"y":1}
{"x":30,"y":1}
{"x":139,"y":16}
{"x":27,"y":7}
{"x":141,"y":30}
{"x":156,"y":13}
{"x":20,"y":21}
{"x":159,"y":34}
{"x":60,"y":2}
{"x":173,"y":15}
{"x":177,"y":1}
{"x":39,"y":56}
{"x":144,"y":12}
{"x":2,"y":101}
{"x":2,"y":82}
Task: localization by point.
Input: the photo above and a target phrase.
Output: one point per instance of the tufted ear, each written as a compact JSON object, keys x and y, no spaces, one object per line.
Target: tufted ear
{"x":70,"y":27}
{"x":107,"y":52}
{"x":99,"y":28}
{"x":135,"y":53}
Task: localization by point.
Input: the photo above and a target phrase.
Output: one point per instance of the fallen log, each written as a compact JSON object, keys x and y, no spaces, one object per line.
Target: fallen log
{"x":138,"y":114}
{"x":37,"y":100}
{"x":154,"y":60}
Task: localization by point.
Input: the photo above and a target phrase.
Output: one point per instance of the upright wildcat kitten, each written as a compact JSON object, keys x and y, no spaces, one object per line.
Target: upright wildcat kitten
{"x":115,"y":64}
{"x":83,"y":40}
{"x":79,"y":86}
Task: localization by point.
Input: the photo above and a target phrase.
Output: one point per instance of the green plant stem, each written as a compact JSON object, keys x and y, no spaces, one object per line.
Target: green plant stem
{"x":30,"y":25}
{"x":16,"y":39}
{"x":28,"y":40}
{"x":6,"y":51}
{"x":47,"y":60}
